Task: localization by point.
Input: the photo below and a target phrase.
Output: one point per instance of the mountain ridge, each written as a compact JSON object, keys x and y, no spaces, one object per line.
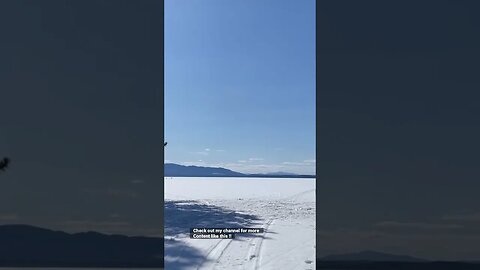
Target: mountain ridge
{"x":31,"y":246}
{"x":372,"y":256}
{"x":177,"y":170}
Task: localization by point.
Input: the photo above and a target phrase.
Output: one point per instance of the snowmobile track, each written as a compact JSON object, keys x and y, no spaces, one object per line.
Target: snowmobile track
{"x":291,"y":197}
{"x":254,"y":253}
{"x":214,"y":254}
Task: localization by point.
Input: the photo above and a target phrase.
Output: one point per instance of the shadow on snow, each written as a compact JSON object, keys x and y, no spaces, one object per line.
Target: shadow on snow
{"x":182,"y":215}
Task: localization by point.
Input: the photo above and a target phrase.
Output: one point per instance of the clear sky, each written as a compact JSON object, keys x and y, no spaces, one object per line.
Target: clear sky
{"x":240,"y":84}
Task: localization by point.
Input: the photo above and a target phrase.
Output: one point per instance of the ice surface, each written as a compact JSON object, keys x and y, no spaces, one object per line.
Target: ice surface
{"x":285,"y":208}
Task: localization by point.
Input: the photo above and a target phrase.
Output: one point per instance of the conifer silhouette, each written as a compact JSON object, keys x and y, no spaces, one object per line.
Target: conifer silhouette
{"x":4,"y":163}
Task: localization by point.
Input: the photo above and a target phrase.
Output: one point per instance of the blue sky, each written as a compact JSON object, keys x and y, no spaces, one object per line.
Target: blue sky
{"x":240,"y":84}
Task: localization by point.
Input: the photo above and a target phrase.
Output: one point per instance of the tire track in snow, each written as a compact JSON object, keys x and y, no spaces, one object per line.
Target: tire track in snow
{"x":253,"y":259}
{"x":294,"y":196}
{"x":254,"y":252}
{"x":214,"y":254}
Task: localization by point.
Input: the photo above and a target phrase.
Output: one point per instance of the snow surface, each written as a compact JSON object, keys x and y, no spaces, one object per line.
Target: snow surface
{"x":284,"y":207}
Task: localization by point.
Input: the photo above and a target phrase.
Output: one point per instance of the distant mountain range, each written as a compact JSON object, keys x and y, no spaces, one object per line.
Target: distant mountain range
{"x":176,"y":170}
{"x":371,"y":256}
{"x":28,"y":246}
{"x":373,"y":260}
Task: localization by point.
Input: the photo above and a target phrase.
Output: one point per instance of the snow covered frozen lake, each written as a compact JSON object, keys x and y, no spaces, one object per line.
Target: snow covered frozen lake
{"x":284,"y":207}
